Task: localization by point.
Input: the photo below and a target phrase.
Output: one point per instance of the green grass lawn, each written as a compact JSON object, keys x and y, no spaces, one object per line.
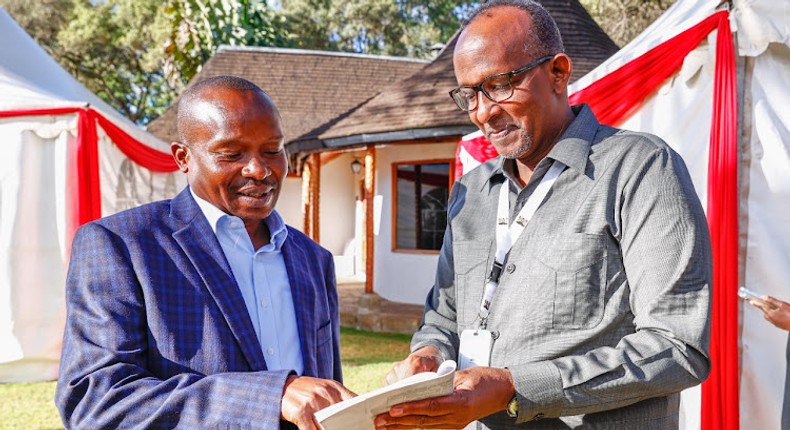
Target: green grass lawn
{"x":366,"y":359}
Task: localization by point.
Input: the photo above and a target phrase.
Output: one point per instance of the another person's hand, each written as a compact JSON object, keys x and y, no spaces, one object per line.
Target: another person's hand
{"x":425,"y":359}
{"x":775,"y":311}
{"x":479,"y":392}
{"x":303,"y":396}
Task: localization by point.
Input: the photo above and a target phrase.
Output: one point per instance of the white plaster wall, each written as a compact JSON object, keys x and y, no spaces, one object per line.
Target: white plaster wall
{"x":289,"y":204}
{"x":337,"y":204}
{"x":338,"y":194}
{"x":402,"y":276}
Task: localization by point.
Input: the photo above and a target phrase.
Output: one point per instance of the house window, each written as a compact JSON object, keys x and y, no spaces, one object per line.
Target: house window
{"x":421,"y":190}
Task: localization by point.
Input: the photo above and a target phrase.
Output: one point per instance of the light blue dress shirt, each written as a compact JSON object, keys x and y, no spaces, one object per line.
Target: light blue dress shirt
{"x":263,"y":280}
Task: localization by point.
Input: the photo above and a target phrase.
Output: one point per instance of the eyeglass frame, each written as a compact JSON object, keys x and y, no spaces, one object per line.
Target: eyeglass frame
{"x":509,"y":75}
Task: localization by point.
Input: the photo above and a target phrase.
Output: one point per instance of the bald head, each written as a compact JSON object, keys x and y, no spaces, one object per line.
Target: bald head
{"x":539,"y":36}
{"x":202,"y":105}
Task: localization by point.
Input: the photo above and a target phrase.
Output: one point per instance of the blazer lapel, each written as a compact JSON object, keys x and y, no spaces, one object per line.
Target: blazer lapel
{"x":200,"y":244}
{"x":303,"y":294}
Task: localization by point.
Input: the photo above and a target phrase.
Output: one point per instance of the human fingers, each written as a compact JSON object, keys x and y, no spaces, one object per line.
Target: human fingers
{"x":425,"y":359}
{"x":774,"y":303}
{"x":761,"y":304}
{"x":448,"y":412}
{"x":434,"y":407}
{"x":304,"y":396}
{"x":396,"y":372}
{"x":384,"y":421}
{"x":779,"y":315}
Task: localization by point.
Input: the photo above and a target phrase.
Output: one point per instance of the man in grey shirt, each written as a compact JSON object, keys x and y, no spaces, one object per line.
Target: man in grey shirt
{"x":596,"y":313}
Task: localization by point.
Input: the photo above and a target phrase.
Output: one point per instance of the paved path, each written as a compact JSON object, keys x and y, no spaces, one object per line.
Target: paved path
{"x":371,"y":312}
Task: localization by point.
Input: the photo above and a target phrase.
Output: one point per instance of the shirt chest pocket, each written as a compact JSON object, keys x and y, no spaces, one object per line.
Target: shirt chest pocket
{"x":471,"y":263}
{"x":572,"y":272}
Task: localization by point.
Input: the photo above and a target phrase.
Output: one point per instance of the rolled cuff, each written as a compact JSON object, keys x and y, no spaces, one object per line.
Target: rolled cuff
{"x":538,"y":390}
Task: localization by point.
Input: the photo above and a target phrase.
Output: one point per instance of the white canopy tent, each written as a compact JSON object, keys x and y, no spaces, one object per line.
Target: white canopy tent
{"x":48,"y":122}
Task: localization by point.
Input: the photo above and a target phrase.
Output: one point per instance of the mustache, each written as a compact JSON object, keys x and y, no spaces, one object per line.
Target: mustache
{"x":254,"y":183}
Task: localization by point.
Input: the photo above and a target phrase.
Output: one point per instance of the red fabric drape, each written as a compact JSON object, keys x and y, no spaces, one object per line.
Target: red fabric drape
{"x":720,"y":392}
{"x":87,"y":192}
{"x":150,"y":158}
{"x":34,"y":112}
{"x":478,"y":148}
{"x":82,"y":180}
{"x":617,"y":96}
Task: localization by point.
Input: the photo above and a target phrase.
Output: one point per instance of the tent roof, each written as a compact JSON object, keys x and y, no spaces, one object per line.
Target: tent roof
{"x":418,"y":107}
{"x":31,"y":79}
{"x":756,"y":22}
{"x":310,"y":88}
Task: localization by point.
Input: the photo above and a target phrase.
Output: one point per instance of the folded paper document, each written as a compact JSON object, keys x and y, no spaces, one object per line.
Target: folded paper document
{"x":358,"y":413}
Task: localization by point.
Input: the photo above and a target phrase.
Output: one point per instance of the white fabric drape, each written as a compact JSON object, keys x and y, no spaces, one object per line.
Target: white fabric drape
{"x":767,"y":250}
{"x":32,"y":254}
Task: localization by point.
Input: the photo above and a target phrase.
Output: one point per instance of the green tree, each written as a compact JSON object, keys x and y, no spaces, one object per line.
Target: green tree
{"x":388,"y":27}
{"x":137,"y":54}
{"x":199,"y":27}
{"x":623,"y":20}
{"x":42,"y":19}
{"x":116,"y":48}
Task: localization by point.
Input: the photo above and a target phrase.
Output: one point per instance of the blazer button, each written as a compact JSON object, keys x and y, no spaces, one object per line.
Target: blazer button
{"x":510,"y":268}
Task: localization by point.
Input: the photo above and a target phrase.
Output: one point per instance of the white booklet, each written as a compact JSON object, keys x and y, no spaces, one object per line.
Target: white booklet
{"x":358,"y":413}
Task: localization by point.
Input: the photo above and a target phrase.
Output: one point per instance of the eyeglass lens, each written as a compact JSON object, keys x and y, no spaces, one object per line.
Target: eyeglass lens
{"x":497,"y":88}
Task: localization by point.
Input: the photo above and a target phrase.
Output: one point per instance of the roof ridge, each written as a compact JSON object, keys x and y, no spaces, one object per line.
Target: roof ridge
{"x":294,"y":51}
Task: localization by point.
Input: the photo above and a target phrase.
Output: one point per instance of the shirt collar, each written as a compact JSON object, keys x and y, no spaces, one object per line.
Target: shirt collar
{"x":573,"y":148}
{"x":277,"y":229}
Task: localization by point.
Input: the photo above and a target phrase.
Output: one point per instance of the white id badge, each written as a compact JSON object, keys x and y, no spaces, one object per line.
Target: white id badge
{"x":475,"y":348}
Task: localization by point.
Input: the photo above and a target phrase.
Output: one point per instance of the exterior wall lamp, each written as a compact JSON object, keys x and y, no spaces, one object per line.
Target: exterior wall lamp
{"x":356,"y":166}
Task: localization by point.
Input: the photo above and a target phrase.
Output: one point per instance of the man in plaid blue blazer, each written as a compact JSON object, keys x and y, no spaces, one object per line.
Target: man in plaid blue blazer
{"x":204,"y":311}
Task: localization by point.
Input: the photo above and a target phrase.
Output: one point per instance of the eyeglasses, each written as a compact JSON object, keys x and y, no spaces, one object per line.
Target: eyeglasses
{"x":497,"y":88}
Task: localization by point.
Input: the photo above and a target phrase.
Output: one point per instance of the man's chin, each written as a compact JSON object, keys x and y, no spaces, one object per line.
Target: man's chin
{"x":253,"y":212}
{"x":512,"y":151}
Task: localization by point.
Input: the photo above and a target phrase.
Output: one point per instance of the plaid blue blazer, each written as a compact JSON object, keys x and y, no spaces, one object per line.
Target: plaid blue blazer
{"x":157,"y":333}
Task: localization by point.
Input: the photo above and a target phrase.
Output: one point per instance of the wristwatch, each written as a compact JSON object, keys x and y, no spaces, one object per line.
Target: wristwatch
{"x":512,"y":407}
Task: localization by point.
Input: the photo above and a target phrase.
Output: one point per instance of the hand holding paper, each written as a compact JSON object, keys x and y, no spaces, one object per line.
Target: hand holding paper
{"x":358,"y":413}
{"x":425,"y":359}
{"x":302,"y":396}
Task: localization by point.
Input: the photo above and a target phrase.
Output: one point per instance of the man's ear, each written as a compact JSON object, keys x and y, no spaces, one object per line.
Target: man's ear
{"x":561,"y":68}
{"x":181,"y":154}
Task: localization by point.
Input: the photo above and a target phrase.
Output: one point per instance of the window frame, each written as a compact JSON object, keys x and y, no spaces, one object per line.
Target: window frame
{"x":394,"y":213}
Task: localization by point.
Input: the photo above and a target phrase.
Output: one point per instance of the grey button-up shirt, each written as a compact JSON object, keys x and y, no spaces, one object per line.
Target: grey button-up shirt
{"x":602,"y":313}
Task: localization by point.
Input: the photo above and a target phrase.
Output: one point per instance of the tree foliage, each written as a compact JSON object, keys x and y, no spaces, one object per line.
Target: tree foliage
{"x":137,"y":54}
{"x":199,"y":27}
{"x":390,"y":27}
{"x":623,"y":20}
{"x":110,"y":46}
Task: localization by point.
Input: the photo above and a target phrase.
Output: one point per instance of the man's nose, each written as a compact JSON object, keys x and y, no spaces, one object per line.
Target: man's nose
{"x":485,"y":106}
{"x":256,"y":168}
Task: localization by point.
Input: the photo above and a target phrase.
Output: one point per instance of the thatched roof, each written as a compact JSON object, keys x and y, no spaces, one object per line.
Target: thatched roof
{"x":312,"y":89}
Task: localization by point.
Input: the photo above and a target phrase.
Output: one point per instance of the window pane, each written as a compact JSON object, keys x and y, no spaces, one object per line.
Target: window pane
{"x":422,"y":193}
